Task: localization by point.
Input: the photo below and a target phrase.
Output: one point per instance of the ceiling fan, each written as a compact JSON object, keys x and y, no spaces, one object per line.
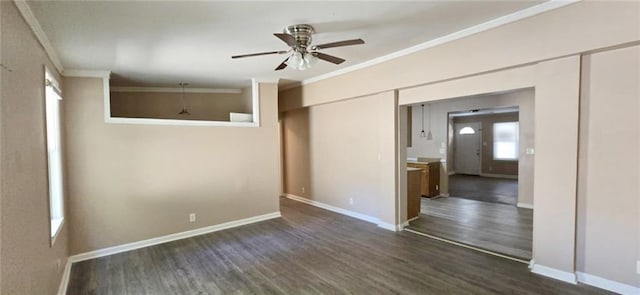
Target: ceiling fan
{"x":303,"y":55}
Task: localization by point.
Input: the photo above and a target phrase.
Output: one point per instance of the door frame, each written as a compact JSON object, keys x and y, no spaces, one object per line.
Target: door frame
{"x":455,"y":144}
{"x":556,"y":83}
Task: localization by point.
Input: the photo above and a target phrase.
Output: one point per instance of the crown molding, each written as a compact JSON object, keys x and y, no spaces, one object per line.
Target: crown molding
{"x":175,"y":89}
{"x":503,"y":20}
{"x":86,"y":73}
{"x":32,"y":22}
{"x":265,"y":80}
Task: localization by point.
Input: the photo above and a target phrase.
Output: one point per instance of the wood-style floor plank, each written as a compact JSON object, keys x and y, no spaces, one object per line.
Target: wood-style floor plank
{"x":309,"y":251}
{"x":485,"y":189}
{"x":495,"y":227}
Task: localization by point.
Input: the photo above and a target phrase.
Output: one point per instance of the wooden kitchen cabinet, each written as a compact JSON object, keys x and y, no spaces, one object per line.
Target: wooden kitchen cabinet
{"x":414,"y":187}
{"x":430,"y":177}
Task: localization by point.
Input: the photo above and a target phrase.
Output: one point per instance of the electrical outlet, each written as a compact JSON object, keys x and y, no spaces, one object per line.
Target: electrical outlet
{"x":303,"y":189}
{"x":350,"y":201}
{"x":192,"y":217}
{"x":529,"y":151}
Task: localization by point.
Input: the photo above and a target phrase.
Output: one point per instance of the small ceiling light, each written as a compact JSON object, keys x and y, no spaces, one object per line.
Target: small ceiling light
{"x":184,"y":104}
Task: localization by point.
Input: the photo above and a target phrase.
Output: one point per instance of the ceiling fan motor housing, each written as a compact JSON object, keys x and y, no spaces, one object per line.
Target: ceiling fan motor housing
{"x":302,"y":34}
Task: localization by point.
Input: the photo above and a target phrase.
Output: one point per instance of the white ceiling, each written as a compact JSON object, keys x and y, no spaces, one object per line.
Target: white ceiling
{"x":161,"y":43}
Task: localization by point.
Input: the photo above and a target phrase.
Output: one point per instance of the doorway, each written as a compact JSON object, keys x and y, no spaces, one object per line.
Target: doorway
{"x":468,"y":137}
{"x":480,"y":151}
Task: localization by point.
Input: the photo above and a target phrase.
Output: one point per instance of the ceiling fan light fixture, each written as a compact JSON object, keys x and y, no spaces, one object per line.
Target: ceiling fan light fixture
{"x":310,"y":59}
{"x":294,"y":60}
{"x":301,"y":61}
{"x":304,"y":55}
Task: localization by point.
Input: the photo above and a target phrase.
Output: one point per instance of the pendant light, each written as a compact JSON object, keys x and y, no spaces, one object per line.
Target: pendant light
{"x":422,"y":134}
{"x":429,"y":135}
{"x":184,"y":104}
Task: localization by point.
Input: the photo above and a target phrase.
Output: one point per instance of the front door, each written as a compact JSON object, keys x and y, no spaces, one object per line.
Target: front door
{"x":467,"y":148}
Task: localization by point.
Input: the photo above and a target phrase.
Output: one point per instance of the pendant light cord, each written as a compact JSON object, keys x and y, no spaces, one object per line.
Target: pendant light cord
{"x":184,"y":103}
{"x":184,"y":106}
{"x":423,"y":118}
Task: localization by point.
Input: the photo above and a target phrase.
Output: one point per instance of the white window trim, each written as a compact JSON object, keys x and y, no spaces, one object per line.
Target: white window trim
{"x":105,"y":75}
{"x":517,"y":158}
{"x":55,"y":224}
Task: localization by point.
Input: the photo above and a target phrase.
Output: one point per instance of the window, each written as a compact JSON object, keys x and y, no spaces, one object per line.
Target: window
{"x":467,"y":130}
{"x":505,"y":141}
{"x":54,"y":153}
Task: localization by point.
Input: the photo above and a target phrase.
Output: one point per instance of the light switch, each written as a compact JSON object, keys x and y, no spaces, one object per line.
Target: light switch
{"x":529,"y":151}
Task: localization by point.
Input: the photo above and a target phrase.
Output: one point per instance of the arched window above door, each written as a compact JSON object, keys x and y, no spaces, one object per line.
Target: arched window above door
{"x":467,"y":130}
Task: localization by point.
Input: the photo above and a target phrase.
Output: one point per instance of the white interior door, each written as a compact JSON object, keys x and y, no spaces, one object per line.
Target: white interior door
{"x":467,"y":148}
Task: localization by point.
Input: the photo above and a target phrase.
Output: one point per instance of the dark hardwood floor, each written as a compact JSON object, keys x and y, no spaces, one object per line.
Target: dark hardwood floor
{"x":309,"y":251}
{"x":486,"y":189}
{"x":500,"y":228}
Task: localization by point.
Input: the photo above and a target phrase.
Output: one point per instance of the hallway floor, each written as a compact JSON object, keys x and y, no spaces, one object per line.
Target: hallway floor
{"x":485,"y":189}
{"x":499,"y":228}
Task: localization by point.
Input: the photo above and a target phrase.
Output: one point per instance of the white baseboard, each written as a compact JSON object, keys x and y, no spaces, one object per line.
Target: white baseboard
{"x":64,"y":282}
{"x":391,"y":227}
{"x":524,"y":205}
{"x":499,"y":175}
{"x":553,"y":273}
{"x":171,"y":237}
{"x":606,"y":284}
{"x":377,"y":221}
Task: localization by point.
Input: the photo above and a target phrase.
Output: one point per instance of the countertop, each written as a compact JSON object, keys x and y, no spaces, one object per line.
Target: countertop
{"x":421,"y":160}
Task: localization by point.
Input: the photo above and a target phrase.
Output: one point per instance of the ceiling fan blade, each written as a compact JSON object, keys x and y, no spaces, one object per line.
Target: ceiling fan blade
{"x":329,"y":58}
{"x":339,"y":43}
{"x":290,"y":40}
{"x":257,"y":54}
{"x":282,"y":65}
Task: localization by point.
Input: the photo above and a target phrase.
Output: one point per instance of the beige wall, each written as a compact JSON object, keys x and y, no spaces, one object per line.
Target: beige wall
{"x":608,"y":190}
{"x":246,"y":96}
{"x":29,"y":265}
{"x":544,"y":52}
{"x":297,"y":154}
{"x":341,"y":151}
{"x":201,"y":106}
{"x":133,"y":182}
{"x":555,"y":174}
